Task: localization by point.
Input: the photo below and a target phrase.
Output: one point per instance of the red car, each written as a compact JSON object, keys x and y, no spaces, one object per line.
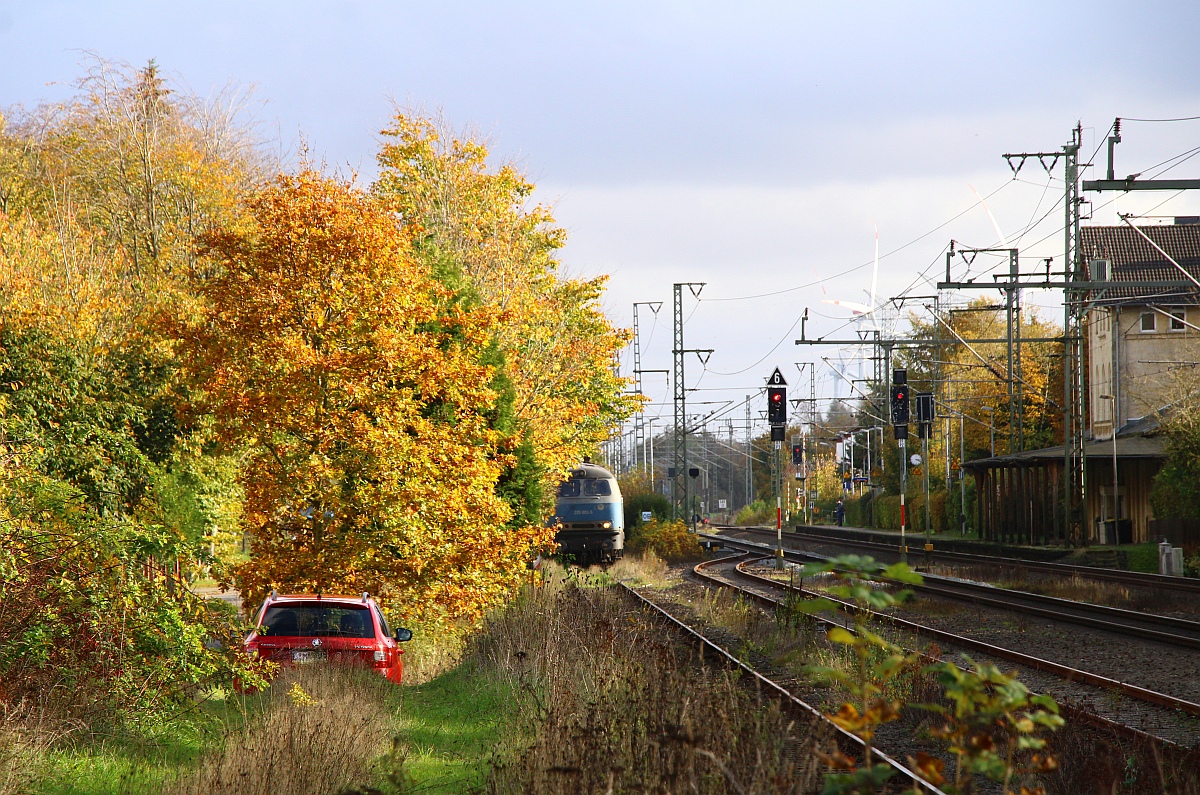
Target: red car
{"x":294,"y":630}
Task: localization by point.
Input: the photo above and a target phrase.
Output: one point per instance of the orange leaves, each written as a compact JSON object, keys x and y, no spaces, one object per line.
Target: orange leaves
{"x":330,"y":345}
{"x":929,"y":767}
{"x":475,"y":228}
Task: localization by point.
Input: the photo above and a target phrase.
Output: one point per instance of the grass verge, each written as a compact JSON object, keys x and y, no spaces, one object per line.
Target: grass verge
{"x":449,"y":727}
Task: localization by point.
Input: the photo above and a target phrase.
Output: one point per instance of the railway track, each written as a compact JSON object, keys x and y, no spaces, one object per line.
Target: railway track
{"x":1158,"y":581}
{"x":1146,"y":626}
{"x":1139,"y":714}
{"x":845,"y":739}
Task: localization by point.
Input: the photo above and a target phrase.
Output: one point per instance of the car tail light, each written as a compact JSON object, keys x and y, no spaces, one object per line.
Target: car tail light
{"x":380,"y":655}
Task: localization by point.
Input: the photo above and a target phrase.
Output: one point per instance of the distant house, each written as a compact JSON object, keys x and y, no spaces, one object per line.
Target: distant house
{"x":1140,"y":341}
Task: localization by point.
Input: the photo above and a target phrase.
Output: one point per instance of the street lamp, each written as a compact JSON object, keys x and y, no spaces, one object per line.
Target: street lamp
{"x":991,"y":410}
{"x":1116,"y":500}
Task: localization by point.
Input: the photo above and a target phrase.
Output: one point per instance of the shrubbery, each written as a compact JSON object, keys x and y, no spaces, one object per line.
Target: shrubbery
{"x":757,"y":512}
{"x":92,"y":622}
{"x":668,"y":540}
{"x":658,"y":505}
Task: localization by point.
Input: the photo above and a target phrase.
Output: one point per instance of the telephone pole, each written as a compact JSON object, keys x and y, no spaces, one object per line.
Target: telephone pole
{"x":677,"y":353}
{"x":639,"y":427}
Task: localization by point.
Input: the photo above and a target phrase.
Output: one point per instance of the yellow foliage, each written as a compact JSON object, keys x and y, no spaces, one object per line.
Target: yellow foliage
{"x":60,"y":281}
{"x":327,"y":346}
{"x":474,"y":226}
{"x":668,"y":540}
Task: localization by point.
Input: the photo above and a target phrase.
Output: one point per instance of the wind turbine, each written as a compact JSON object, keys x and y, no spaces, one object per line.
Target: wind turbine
{"x":992,"y":218}
{"x":861,"y":312}
{"x":858,"y":309}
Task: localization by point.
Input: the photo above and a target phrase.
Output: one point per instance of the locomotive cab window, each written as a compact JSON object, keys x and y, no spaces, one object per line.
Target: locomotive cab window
{"x":597,"y":488}
{"x":568,"y":488}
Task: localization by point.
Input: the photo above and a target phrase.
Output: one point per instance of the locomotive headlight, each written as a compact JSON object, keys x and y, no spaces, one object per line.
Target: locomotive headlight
{"x":607,"y":525}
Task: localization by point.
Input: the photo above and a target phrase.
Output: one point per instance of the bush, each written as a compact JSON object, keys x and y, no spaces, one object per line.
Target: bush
{"x":668,"y":540}
{"x":92,"y":623}
{"x":652,"y":501}
{"x":887,"y":512}
{"x":860,"y":511}
{"x":757,"y":512}
{"x":936,"y":509}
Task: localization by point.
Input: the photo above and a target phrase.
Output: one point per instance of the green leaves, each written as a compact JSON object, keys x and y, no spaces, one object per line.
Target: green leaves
{"x":85,"y":608}
{"x":993,"y":721}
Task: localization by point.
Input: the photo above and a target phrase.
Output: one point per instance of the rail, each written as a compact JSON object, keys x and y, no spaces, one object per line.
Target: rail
{"x":1066,"y":672}
{"x":783,"y":692}
{"x":1111,"y":619}
{"x":1145,"y":579}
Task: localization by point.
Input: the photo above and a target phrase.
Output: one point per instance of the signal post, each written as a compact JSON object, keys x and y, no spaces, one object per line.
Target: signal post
{"x":899,"y":406}
{"x":777,"y":417}
{"x":925,"y":418}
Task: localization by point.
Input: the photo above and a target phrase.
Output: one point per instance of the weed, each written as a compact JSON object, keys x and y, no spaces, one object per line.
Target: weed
{"x":646,"y":569}
{"x":993,"y":727}
{"x":317,"y":736}
{"x":878,"y":662}
{"x":669,"y":540}
{"x":612,"y":703}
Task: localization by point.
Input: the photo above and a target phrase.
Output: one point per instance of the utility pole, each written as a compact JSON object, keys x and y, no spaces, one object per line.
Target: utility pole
{"x":899,"y":400}
{"x":1074,"y":461}
{"x":749,"y":454}
{"x":639,"y":427}
{"x":677,"y":353}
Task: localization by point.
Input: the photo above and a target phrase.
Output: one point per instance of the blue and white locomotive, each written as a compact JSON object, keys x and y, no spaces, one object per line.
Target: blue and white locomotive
{"x":589,"y":514}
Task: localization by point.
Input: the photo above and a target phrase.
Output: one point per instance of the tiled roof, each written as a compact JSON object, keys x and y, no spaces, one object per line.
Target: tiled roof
{"x":1134,"y":259}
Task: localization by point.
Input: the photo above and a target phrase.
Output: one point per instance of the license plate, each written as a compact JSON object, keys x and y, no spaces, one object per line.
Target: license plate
{"x":308,"y":656}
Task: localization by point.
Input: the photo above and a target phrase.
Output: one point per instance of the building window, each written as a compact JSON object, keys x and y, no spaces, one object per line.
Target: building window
{"x":1178,"y":316}
{"x":1148,"y":319}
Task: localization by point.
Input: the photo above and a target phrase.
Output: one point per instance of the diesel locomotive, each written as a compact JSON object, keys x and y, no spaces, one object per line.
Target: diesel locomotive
{"x":589,"y":515}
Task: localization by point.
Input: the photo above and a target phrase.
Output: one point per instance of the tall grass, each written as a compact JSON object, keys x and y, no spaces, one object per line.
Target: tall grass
{"x":319,"y":732}
{"x":616,"y":704}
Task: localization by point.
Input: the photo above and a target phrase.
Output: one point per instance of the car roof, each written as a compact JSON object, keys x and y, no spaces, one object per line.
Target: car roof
{"x":341,"y":600}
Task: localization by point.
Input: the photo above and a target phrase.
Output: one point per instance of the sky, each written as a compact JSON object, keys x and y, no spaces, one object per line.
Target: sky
{"x":755,"y":147}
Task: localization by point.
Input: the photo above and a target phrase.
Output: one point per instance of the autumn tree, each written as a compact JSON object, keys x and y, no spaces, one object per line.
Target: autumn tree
{"x":106,"y":501}
{"x":475,"y":229}
{"x":363,"y":389}
{"x":969,"y":375}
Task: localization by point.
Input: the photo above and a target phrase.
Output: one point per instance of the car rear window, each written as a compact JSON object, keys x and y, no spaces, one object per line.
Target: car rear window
{"x":317,"y":621}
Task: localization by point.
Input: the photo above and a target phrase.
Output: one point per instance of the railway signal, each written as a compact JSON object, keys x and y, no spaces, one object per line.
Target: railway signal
{"x":777,"y":405}
{"x":798,"y":455}
{"x":899,"y":397}
{"x":925,"y":413}
{"x":777,"y":399}
{"x":777,"y":417}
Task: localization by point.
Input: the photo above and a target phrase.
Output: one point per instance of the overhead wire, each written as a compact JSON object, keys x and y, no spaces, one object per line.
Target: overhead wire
{"x":1182,"y":118}
{"x":848,"y":271}
{"x":923,"y":275}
